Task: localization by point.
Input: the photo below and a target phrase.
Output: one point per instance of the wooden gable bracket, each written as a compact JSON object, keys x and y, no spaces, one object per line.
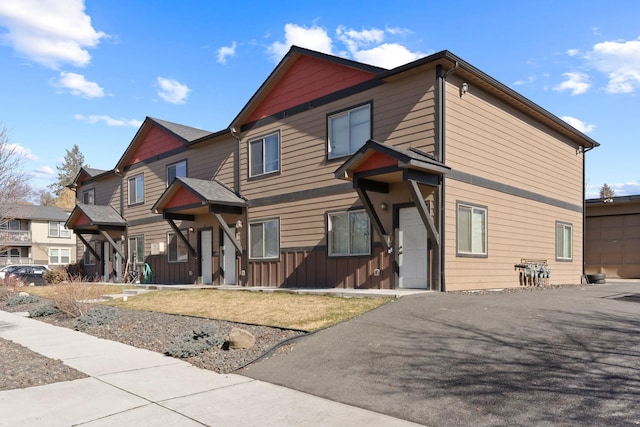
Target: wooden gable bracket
{"x":375,"y":219}
{"x":112,"y":243}
{"x":86,"y":244}
{"x":432,"y":232}
{"x":227,"y":231}
{"x":181,"y":236}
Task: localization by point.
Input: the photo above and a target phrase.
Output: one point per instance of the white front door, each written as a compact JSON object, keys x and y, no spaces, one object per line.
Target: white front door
{"x":412,"y":250}
{"x":106,"y":258}
{"x":229,"y":259}
{"x":205,"y":257}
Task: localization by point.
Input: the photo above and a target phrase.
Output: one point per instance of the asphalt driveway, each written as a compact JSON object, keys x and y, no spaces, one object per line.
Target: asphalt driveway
{"x":563,"y":356}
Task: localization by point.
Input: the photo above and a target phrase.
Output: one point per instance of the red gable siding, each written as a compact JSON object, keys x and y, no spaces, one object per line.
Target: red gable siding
{"x":183,"y":197}
{"x":157,"y":141}
{"x":307,"y":79}
{"x":376,"y":161}
{"x":82,"y":220}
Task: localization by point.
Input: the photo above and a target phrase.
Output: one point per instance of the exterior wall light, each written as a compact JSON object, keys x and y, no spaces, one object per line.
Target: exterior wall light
{"x":464,"y":88}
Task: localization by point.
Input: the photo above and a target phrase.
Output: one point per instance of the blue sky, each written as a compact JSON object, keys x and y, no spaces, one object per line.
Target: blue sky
{"x":88,"y":72}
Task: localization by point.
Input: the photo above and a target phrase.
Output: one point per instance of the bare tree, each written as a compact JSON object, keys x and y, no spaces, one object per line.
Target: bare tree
{"x":606,"y":192}
{"x":14,"y":186}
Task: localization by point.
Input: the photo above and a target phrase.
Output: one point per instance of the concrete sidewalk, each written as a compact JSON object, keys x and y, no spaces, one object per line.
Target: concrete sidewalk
{"x":128,"y":386}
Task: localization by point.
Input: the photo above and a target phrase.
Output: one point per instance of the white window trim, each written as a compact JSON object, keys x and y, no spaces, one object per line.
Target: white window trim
{"x":252,"y":223}
{"x":59,"y":256}
{"x":61,"y":232}
{"x":473,"y":208}
{"x":130,"y":247}
{"x":563,"y":226}
{"x":348,"y":112}
{"x":330,"y":234}
{"x":262,"y":139}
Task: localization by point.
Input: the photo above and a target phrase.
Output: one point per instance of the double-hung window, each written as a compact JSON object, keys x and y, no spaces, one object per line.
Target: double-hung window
{"x":136,"y":249}
{"x":89,"y":197}
{"x":177,"y":249}
{"x":472,"y":230}
{"x":264,"y":155}
{"x":349,"y":233}
{"x":176,"y":169}
{"x":264,"y":239}
{"x":348,"y":131}
{"x":59,"y":256}
{"x":136,"y":189}
{"x":564,"y":235}
{"x":57,"y":229}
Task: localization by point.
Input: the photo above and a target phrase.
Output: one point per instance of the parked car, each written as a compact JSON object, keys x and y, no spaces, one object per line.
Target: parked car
{"x":30,"y":274}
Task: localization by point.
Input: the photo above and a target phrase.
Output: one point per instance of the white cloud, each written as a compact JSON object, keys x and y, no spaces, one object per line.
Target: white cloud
{"x":172,"y":90}
{"x":620,"y":60}
{"x":314,"y":38}
{"x":78,"y":85}
{"x":579,"y":124}
{"x":109,"y":121}
{"x":573,"y":52}
{"x":44,"y":172}
{"x":576,"y":82}
{"x":387,"y":55}
{"x":226,"y":51}
{"x":532,"y":78}
{"x":355,"y":40}
{"x":50,"y":32}
{"x":21,"y":151}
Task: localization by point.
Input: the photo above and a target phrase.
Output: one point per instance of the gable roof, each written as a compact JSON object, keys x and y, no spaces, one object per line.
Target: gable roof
{"x":198,"y":191}
{"x":308,"y":75}
{"x":181,"y":137}
{"x":93,"y":217}
{"x":87,"y":174}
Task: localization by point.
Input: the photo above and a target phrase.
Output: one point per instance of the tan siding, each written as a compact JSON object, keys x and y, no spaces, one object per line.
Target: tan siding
{"x":487,"y":138}
{"x":517,"y":228}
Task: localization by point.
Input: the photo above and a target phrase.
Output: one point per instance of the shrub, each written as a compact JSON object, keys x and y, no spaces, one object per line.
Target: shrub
{"x":97,"y":316}
{"x":75,"y":270}
{"x":196,"y":342}
{"x":20,"y":299}
{"x":9,"y":286}
{"x":55,"y":276}
{"x":74,"y":298}
{"x":43,"y":310}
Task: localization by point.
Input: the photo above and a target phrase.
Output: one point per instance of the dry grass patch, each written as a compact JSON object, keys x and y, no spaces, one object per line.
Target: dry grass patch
{"x":85,"y":289}
{"x":305,"y":312}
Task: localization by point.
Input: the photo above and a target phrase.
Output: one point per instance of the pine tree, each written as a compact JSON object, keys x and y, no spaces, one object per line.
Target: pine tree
{"x":606,"y":192}
{"x":67,"y":171}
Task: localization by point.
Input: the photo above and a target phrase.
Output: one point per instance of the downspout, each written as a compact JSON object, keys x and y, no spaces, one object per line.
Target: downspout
{"x":584,"y":206}
{"x":236,"y":184}
{"x":244,"y":256}
{"x":125,"y":246}
{"x":441,"y":79}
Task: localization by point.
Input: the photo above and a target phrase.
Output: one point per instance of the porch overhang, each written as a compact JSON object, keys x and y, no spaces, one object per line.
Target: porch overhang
{"x":187,"y":197}
{"x":96,"y":219}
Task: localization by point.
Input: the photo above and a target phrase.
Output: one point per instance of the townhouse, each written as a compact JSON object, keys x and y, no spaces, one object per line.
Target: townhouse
{"x":432,"y":175}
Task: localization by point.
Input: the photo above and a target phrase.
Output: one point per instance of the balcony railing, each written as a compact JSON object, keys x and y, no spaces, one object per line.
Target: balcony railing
{"x":13,"y":236}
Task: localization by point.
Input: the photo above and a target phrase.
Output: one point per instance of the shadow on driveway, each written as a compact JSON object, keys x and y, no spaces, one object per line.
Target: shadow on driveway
{"x":568,"y":356}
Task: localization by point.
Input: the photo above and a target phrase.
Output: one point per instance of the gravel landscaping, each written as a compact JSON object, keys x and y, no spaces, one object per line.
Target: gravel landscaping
{"x":22,"y":367}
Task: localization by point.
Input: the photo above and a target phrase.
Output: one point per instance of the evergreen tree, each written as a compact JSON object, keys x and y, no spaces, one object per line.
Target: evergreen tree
{"x":67,"y":171}
{"x":606,"y":192}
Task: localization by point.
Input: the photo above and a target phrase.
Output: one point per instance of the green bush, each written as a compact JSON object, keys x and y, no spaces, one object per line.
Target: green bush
{"x":96,"y":317}
{"x":198,"y":341}
{"x":20,"y":299}
{"x":43,"y":310}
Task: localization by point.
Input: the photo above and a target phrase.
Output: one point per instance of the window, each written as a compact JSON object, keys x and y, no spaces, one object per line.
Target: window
{"x":263,"y":239}
{"x":89,"y":197}
{"x":264,"y":155}
{"x":176,"y":169}
{"x":349,"y":233}
{"x":564,"y":234}
{"x":57,"y":229}
{"x":136,"y":189}
{"x":88,"y":258}
{"x":59,"y":256}
{"x":348,"y":131}
{"x":177,"y":249}
{"x":472,"y":230}
{"x":136,"y":249}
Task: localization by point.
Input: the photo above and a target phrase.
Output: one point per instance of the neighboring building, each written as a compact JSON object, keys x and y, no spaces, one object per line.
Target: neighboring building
{"x":612,"y":237}
{"x":32,"y":234}
{"x":339,"y":174}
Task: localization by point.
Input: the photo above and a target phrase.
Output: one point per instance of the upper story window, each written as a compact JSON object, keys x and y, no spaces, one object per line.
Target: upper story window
{"x":264,"y":155}
{"x":89,"y":197}
{"x":264,"y":239}
{"x":348,"y":131}
{"x":472,"y":230}
{"x":176,"y":169}
{"x":564,"y":236}
{"x":136,"y":189}
{"x":349,"y":233}
{"x":57,"y":229}
{"x":12,"y":224}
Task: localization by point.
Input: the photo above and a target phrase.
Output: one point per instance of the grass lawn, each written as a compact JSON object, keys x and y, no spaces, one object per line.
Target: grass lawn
{"x":305,"y":312}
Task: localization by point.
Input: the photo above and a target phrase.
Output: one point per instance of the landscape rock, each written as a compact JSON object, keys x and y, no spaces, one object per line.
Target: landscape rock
{"x":241,"y":339}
